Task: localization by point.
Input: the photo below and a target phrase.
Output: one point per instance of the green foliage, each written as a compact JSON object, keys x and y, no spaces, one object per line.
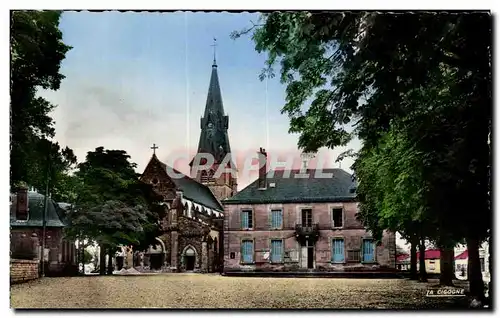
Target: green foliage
{"x":420,"y":81}
{"x":112,"y":206}
{"x":417,"y":91}
{"x":37,"y":51}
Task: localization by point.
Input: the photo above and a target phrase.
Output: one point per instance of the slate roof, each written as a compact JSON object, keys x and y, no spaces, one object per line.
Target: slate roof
{"x":214,"y":123}
{"x":192,"y":189}
{"x":54,"y":216}
{"x":298,"y":190}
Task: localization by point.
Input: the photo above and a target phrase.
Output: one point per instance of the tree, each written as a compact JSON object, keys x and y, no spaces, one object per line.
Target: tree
{"x":37,"y":51}
{"x":112,"y":206}
{"x":425,"y":76}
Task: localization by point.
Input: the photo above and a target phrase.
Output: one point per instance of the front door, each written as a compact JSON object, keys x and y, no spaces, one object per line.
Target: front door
{"x":190,"y":263}
{"x":310,"y":257}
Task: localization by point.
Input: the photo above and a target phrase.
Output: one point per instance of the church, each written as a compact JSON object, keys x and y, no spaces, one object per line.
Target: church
{"x":193,"y":228}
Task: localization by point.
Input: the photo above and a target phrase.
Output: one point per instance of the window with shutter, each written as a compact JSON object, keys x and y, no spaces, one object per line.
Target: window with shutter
{"x":338,"y":250}
{"x":276,"y":219}
{"x":276,"y":251}
{"x":247,"y":251}
{"x":368,"y":250}
{"x":246,"y":219}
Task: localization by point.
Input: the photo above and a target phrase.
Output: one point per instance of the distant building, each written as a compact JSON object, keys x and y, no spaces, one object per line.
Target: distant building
{"x":462,"y":261}
{"x":403,"y":262}
{"x":300,"y":222}
{"x":432,"y":261}
{"x":26,"y":223}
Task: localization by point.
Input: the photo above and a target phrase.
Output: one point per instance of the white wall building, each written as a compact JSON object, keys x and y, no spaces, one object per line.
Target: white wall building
{"x":461,"y":261}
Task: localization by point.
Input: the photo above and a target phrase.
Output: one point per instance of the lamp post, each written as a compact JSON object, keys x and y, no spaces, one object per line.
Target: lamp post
{"x":44,"y":222}
{"x":45,"y":207}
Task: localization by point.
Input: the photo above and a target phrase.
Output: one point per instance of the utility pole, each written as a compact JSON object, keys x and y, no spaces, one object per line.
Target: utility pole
{"x":44,"y":222}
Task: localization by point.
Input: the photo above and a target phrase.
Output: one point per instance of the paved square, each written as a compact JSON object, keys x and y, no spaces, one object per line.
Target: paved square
{"x":214,"y":291}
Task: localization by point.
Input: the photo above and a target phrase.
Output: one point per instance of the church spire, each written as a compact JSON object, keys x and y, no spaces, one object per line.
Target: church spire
{"x":214,"y":123}
{"x":214,"y":64}
{"x":214,"y":140}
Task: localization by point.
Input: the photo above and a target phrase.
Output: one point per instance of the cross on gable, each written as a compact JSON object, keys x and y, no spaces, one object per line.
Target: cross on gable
{"x":154,"y":148}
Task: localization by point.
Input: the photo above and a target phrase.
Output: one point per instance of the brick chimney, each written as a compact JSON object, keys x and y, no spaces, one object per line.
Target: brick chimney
{"x":22,"y":204}
{"x":263,"y":168}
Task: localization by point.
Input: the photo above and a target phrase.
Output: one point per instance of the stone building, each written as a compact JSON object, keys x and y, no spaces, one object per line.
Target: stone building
{"x":299,"y":220}
{"x":26,"y":223}
{"x":192,"y":238}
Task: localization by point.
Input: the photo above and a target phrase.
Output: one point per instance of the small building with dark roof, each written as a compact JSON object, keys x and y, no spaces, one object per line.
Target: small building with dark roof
{"x":302,"y":220}
{"x":26,"y":223}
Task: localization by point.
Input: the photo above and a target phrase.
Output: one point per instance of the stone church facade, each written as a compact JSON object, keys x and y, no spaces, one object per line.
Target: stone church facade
{"x":193,"y":227}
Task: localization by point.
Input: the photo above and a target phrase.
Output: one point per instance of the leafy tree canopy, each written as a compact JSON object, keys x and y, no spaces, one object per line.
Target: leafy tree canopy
{"x":37,"y":51}
{"x":112,"y":206}
{"x":425,"y":75}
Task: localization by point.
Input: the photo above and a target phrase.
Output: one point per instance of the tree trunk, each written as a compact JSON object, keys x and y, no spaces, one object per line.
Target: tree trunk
{"x":447,"y":268}
{"x":422,"y":271}
{"x":490,"y":270}
{"x":110,"y":261}
{"x":102,"y":260}
{"x":413,"y":258}
{"x":474,"y":274}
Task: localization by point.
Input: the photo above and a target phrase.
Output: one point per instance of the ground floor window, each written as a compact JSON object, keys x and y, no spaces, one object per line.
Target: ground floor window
{"x":338,"y":250}
{"x":247,"y":251}
{"x":368,"y":250}
{"x":276,"y":251}
{"x":353,"y":256}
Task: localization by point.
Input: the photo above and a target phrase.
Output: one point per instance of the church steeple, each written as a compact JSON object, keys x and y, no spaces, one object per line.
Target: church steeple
{"x":214,"y":139}
{"x":214,"y":123}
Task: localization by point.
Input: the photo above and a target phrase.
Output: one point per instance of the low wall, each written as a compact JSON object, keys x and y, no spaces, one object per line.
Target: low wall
{"x":23,"y":270}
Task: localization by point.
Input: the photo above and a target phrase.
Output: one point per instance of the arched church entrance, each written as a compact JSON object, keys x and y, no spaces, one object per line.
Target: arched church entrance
{"x":157,"y":255}
{"x":190,"y":258}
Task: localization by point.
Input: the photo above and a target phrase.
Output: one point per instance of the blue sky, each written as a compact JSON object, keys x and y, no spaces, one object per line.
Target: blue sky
{"x":134,"y":79}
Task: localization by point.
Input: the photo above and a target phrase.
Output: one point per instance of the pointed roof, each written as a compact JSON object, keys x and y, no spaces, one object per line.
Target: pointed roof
{"x":214,"y":96}
{"x":214,"y":123}
{"x":192,"y":189}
